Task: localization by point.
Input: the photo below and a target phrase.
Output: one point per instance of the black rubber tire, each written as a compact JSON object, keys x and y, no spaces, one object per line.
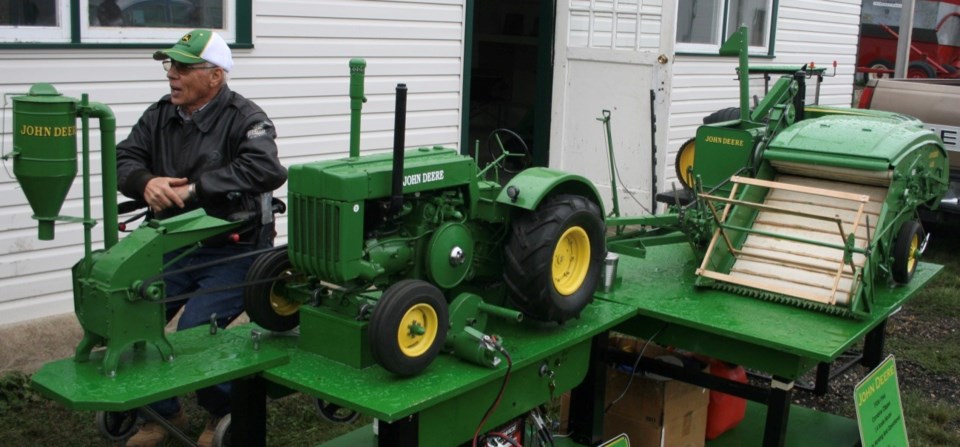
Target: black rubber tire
{"x":388,"y":316}
{"x":221,"y":434}
{"x":905,"y":261}
{"x":727,"y":114}
{"x":529,"y":257}
{"x":685,"y":156}
{"x":921,"y":70}
{"x":117,"y":425}
{"x":334,"y":413}
{"x":259,"y":299}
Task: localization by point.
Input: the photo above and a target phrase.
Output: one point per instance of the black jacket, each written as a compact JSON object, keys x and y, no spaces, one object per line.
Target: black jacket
{"x":227,"y":150}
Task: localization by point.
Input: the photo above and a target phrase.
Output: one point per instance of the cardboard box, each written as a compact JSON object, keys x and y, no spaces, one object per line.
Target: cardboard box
{"x":655,"y":412}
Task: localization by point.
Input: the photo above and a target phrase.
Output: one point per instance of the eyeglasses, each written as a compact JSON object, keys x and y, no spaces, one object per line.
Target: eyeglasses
{"x":183,"y":68}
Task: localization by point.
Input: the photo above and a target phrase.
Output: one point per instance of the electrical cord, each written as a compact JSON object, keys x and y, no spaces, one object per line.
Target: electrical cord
{"x":493,"y":341}
{"x":633,"y":370}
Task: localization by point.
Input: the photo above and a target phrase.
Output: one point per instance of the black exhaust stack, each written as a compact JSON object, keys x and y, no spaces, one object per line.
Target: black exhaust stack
{"x":399,"y":130}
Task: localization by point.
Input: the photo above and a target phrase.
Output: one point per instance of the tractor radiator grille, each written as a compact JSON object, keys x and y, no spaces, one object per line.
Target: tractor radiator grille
{"x":315,"y":236}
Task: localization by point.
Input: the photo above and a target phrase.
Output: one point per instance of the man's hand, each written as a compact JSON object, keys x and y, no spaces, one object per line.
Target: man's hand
{"x":164,"y":192}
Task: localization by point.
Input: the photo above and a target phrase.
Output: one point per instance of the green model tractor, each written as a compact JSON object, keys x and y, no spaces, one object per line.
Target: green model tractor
{"x":395,"y":257}
{"x":803,"y":204}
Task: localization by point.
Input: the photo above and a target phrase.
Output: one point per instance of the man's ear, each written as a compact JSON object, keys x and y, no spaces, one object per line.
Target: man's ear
{"x":217,"y":77}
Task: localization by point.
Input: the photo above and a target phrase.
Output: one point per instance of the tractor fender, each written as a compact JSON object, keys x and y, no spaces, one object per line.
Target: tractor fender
{"x":534,"y":184}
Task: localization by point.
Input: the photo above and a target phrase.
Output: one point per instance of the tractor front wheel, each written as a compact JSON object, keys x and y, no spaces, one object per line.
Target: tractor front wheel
{"x":554,"y":257}
{"x":266,"y":303}
{"x":408,"y":326}
{"x":906,"y":251}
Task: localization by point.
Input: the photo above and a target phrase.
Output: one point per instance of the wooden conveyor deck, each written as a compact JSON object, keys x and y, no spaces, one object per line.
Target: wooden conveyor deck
{"x":794,"y":246}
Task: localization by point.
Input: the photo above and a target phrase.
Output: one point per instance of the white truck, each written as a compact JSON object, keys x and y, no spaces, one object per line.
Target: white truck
{"x":936,"y":102}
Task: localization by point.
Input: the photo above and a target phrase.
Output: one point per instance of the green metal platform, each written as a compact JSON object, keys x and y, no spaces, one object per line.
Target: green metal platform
{"x":782,"y":340}
{"x":655,"y":297}
{"x":443,"y":400}
{"x":201,"y":360}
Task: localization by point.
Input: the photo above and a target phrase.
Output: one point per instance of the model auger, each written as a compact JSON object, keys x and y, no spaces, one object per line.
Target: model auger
{"x":394,"y":257}
{"x":808,"y":205}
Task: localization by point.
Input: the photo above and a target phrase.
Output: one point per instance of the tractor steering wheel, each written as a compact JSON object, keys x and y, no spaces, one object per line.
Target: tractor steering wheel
{"x":514,"y":155}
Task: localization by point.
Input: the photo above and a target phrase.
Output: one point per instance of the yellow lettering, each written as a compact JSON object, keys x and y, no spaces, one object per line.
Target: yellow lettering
{"x":47,"y":131}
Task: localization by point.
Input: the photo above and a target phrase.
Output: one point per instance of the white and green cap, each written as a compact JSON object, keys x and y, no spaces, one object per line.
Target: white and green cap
{"x":198,"y":46}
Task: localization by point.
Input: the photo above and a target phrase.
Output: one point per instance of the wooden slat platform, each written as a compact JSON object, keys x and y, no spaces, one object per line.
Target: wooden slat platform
{"x":805,"y":208}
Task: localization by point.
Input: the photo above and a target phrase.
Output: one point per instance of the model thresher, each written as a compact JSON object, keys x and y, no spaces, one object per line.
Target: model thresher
{"x":804,"y":204}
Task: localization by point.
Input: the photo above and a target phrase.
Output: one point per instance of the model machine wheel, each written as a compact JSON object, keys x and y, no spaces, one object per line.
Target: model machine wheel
{"x":267,"y":303}
{"x":408,"y":326}
{"x":684,"y":163}
{"x":906,"y":251}
{"x":727,"y":114}
{"x":221,"y":435}
{"x":334,"y":413}
{"x":554,"y":256}
{"x":880,"y":64}
{"x":920,"y":70}
{"x":117,"y":425}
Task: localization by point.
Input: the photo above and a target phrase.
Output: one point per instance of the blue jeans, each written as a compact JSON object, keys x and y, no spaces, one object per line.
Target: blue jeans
{"x":227,"y":305}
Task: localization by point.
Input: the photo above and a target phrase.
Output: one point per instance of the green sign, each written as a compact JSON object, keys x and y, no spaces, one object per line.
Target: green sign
{"x":622,"y":440}
{"x":879,"y":411}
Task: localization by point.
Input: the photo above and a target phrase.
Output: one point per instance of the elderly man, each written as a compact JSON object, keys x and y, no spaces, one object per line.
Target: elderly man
{"x":202,"y":146}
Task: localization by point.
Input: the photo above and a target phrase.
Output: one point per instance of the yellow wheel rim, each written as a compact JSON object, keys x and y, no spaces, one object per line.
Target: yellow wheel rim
{"x":279,"y":303}
{"x":571,"y":260}
{"x":417,"y":330}
{"x":912,"y":258}
{"x":685,"y":163}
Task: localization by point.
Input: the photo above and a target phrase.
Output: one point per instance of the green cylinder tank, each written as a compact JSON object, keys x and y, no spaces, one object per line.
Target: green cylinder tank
{"x":45,"y":151}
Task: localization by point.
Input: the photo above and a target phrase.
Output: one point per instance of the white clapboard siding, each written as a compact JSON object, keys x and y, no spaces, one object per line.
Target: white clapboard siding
{"x":819,"y":31}
{"x":297,"y":72}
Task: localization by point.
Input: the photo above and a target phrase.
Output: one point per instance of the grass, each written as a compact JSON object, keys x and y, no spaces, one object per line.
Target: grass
{"x":931,"y":419}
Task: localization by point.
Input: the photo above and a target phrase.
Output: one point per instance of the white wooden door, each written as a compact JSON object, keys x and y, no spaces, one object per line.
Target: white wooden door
{"x":608,"y":57}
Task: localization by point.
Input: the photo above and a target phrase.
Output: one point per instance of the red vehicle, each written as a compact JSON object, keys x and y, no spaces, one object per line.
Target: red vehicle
{"x":935,"y":43}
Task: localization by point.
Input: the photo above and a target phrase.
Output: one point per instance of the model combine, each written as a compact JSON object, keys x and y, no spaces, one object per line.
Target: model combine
{"x":809,"y":205}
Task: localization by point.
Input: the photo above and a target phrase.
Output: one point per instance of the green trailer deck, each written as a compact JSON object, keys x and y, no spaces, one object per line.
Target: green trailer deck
{"x":654,"y":297}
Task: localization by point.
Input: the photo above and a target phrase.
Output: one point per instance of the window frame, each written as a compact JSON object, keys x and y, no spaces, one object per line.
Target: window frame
{"x":74,"y":30}
{"x":701,"y":49}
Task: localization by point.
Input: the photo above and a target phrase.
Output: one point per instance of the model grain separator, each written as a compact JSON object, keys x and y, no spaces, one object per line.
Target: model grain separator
{"x":809,"y":205}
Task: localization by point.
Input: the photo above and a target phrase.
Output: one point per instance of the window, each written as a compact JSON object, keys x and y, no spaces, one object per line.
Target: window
{"x":702,"y":25}
{"x":119,"y":21}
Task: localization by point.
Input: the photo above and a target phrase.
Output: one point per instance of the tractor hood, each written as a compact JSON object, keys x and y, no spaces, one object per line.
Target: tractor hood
{"x":873,"y":143}
{"x":355,"y":179}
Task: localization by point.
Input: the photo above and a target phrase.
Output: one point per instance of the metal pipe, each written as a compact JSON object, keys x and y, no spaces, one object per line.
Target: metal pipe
{"x":903,"y":43}
{"x":613,"y":164}
{"x":399,"y":132}
{"x":501,"y":312}
{"x":88,"y":223}
{"x":357,"y":69}
{"x":108,"y":170}
{"x":744,"y":73}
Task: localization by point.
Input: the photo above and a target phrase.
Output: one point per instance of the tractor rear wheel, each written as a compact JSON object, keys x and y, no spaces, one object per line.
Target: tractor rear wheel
{"x":554,"y":256}
{"x":267,"y":303}
{"x":408,"y":326}
{"x":906,"y":251}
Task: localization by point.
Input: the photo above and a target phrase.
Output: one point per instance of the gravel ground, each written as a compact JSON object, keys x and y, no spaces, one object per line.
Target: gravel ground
{"x":912,"y":376}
